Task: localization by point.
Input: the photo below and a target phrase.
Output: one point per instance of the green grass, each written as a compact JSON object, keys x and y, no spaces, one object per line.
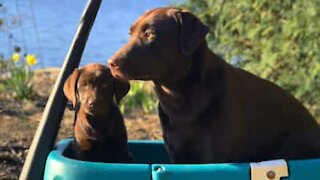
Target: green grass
{"x":2,"y":87}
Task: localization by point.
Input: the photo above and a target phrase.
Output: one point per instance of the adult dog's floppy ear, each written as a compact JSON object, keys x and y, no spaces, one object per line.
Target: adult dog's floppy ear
{"x":70,"y":87}
{"x":121,"y":88}
{"x":192,"y":31}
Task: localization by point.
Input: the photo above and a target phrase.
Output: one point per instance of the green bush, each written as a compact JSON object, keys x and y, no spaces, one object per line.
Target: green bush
{"x":276,"y":40}
{"x":141,"y":97}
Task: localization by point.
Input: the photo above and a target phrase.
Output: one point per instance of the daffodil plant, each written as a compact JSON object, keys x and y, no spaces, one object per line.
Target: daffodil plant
{"x":19,"y":75}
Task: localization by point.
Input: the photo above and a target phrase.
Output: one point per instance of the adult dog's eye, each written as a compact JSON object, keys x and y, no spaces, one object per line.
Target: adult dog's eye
{"x":83,"y":85}
{"x":150,"y":34}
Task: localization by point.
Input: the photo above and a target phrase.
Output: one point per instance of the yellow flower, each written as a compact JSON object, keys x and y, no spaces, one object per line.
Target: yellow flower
{"x":31,"y":59}
{"x":15,"y":57}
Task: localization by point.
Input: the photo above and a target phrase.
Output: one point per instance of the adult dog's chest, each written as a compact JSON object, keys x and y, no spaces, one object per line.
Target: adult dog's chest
{"x":191,"y":143}
{"x":189,"y":126}
{"x":187,"y":107}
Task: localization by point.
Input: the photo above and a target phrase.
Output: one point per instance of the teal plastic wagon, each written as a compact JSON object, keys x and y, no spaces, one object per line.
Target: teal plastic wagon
{"x":152,"y":162}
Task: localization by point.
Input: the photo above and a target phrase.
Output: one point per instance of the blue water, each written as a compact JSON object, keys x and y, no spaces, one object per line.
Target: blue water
{"x":47,"y":27}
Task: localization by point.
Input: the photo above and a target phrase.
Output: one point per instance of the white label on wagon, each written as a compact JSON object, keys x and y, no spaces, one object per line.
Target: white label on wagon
{"x":269,"y":170}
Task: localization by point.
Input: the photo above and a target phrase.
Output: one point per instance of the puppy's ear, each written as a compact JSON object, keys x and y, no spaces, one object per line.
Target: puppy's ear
{"x":192,"y":31}
{"x":70,"y":87}
{"x":121,"y":88}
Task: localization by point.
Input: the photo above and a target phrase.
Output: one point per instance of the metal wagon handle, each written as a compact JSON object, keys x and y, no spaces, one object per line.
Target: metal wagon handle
{"x":47,"y":130}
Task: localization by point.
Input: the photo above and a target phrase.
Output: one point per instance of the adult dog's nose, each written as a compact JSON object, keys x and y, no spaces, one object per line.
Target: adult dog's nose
{"x":91,"y":102}
{"x":113,"y":64}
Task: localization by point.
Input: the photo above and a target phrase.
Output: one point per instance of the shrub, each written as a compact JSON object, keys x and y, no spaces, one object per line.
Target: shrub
{"x":276,"y":40}
{"x":140,"y":97}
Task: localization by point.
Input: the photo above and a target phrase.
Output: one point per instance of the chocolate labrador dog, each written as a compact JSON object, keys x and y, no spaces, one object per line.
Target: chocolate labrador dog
{"x":210,"y":111}
{"x":100,"y":133}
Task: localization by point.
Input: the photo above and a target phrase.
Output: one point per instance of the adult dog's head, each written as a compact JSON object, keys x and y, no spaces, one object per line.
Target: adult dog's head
{"x":160,"y":47}
{"x":93,"y":87}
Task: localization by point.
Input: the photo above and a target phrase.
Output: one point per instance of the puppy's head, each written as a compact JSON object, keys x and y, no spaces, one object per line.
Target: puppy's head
{"x":94,"y":88}
{"x":161,"y":44}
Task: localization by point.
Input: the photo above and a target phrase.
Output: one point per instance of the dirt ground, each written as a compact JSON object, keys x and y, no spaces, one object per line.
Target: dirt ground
{"x":19,"y":121}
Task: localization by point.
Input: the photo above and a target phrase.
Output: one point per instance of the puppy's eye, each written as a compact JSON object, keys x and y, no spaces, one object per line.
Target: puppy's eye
{"x":150,"y":34}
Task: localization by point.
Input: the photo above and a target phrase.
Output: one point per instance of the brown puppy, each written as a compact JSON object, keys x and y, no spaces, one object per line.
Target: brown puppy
{"x":100,"y":133}
{"x":209,"y":110}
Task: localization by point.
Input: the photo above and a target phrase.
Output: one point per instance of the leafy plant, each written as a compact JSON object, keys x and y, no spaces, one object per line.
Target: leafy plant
{"x":276,"y":40}
{"x":19,"y":76}
{"x":140,"y":97}
{"x":15,"y":73}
